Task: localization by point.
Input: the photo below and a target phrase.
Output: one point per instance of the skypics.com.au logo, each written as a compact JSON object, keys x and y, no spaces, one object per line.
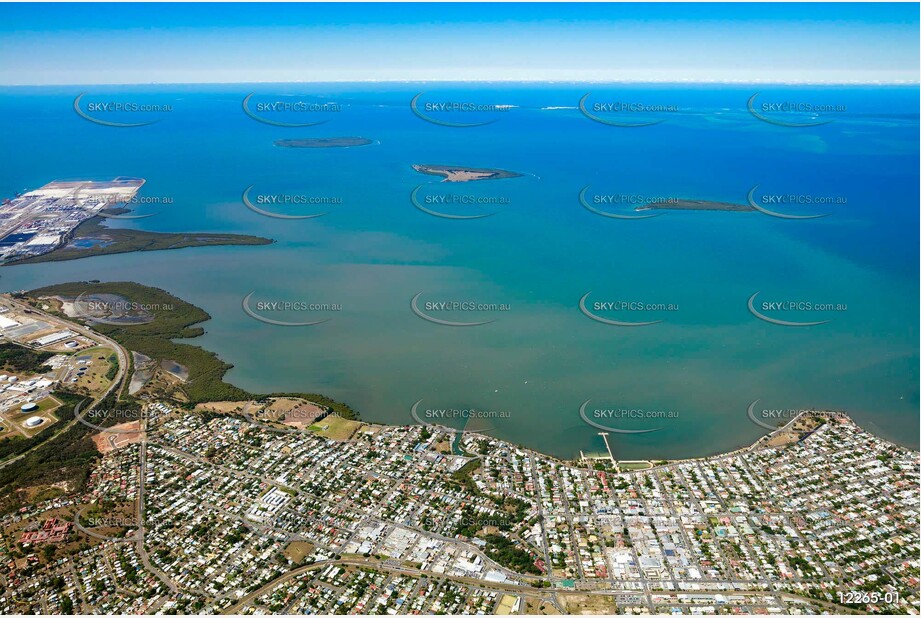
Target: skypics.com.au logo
{"x":116,"y":310}
{"x":769,"y":204}
{"x":437,"y":111}
{"x":112,"y":112}
{"x":773,"y":419}
{"x":626,"y":113}
{"x":268,"y":204}
{"x":599,"y":309}
{"x":437,"y":417}
{"x":601,"y":204}
{"x":612,"y":418}
{"x":425,"y":309}
{"x":288,"y":111}
{"x":774,"y":311}
{"x":98,"y":203}
{"x":261,"y":309}
{"x":445,"y":203}
{"x":793,"y":113}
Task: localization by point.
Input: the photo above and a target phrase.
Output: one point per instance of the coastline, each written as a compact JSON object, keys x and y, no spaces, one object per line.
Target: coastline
{"x":461,"y":173}
{"x":480,"y":454}
{"x":123,"y":240}
{"x":686,"y":204}
{"x":157,"y":339}
{"x":721,"y":455}
{"x":397,"y":153}
{"x":351,"y":414}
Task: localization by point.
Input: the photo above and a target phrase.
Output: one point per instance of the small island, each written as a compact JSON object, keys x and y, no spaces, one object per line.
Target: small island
{"x":696,"y":205}
{"x":456,"y":173}
{"x":323,"y":142}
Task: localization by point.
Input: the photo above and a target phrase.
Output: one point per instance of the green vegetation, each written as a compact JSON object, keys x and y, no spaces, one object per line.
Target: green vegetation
{"x":503,"y":551}
{"x":476,"y":173}
{"x":516,"y":506}
{"x":18,"y":359}
{"x":67,"y":605}
{"x":127,"y":241}
{"x":342,"y":409}
{"x":65,"y":453}
{"x":112,"y":371}
{"x":471,"y":523}
{"x":174,"y":318}
{"x":65,"y":457}
{"x":634,"y":465}
{"x":323,"y":142}
{"x":464,"y":476}
{"x":17,"y":444}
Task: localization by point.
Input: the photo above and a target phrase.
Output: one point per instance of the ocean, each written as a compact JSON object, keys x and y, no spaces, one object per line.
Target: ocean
{"x":686,"y":381}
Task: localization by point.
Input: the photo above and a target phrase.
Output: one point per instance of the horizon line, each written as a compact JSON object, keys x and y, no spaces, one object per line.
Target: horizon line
{"x":686,"y":82}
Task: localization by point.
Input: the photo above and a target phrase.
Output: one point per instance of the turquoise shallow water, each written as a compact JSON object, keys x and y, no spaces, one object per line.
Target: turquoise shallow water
{"x":540,"y":252}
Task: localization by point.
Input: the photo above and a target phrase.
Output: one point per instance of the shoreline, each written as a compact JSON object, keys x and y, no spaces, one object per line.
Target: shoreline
{"x":129,"y":240}
{"x":61,"y":217}
{"x":688,"y":204}
{"x":462,"y":173}
{"x":575,"y":458}
{"x":807,"y":443}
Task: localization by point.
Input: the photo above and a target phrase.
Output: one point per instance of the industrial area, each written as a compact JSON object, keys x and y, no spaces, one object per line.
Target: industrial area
{"x":40,"y":221}
{"x":68,"y":360}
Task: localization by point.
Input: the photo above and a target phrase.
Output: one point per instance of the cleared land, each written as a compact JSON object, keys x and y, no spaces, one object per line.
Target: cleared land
{"x":336,"y":428}
{"x":455,"y":173}
{"x":588,"y":604}
{"x":124,"y":434}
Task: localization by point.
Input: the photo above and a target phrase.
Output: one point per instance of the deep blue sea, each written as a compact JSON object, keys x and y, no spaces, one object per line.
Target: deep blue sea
{"x":692,"y":375}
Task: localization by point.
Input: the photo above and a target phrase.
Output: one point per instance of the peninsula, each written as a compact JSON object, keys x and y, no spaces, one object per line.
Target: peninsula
{"x":63,"y":220}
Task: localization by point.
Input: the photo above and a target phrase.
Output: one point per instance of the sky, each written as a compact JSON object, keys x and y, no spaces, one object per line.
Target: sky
{"x":108,"y":43}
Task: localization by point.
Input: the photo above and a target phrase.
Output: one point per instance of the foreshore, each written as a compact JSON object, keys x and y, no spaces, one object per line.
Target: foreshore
{"x":321,"y":400}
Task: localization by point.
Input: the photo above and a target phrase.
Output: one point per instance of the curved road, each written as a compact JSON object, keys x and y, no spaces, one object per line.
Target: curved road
{"x":117,"y":383}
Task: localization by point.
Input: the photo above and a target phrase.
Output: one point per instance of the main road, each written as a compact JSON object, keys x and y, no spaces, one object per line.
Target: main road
{"x":115,"y":385}
{"x":519,"y":589}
